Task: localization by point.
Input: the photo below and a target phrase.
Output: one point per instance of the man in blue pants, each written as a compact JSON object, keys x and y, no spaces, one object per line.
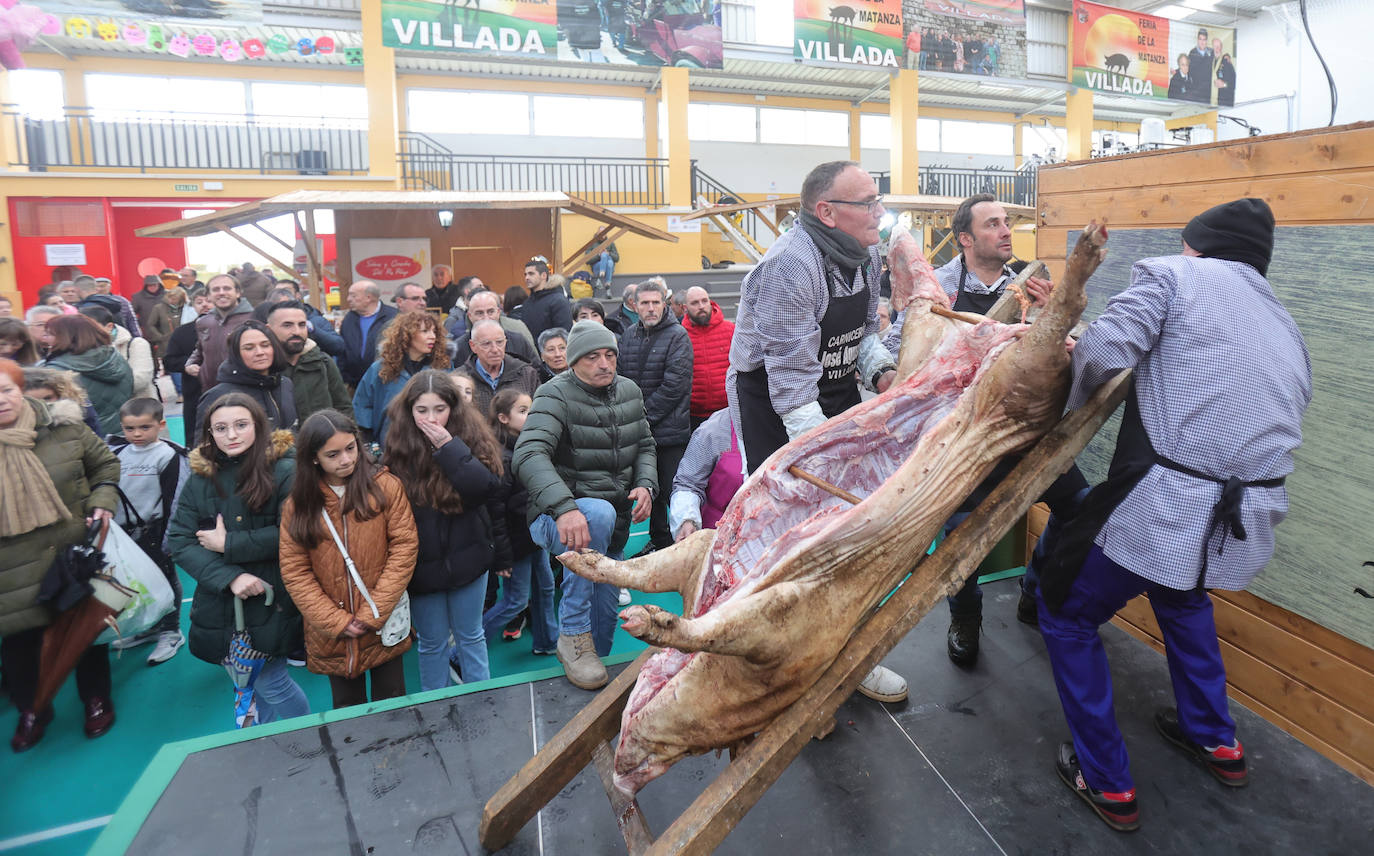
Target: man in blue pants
{"x":1222,"y":378}
{"x":587,"y":457}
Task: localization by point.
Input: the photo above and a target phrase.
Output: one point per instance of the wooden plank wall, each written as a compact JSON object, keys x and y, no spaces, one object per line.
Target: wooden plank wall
{"x":1315,"y":684}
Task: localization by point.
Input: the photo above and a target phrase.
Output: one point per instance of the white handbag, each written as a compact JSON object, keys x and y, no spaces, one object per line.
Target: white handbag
{"x":397,"y":626}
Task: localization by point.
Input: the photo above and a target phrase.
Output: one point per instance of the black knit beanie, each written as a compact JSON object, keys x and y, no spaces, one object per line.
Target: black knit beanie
{"x":1239,"y":231}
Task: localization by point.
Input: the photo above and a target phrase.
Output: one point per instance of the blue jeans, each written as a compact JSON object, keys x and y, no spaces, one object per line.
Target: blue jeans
{"x":278,"y":694}
{"x":1084,"y":680}
{"x":531,"y":571}
{"x":604,"y":267}
{"x":435,"y":616}
{"x":586,"y":606}
{"x":176,"y":381}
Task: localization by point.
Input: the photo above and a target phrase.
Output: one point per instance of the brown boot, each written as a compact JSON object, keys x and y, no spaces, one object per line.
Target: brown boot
{"x":577,"y":653}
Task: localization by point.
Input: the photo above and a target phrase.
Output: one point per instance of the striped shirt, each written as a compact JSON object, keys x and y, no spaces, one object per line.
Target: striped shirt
{"x":778,"y":324}
{"x":711,"y":440}
{"x":947,"y":275}
{"x":1222,"y":376}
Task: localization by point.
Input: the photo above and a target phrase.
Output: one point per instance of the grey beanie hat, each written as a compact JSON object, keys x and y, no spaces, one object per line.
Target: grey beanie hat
{"x":587,"y":336}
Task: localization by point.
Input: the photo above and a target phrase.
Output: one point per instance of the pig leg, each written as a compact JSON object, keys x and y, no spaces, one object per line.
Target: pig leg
{"x":745,"y":627}
{"x":674,"y":568}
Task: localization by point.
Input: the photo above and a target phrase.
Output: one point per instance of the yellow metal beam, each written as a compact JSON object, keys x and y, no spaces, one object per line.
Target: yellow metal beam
{"x":905,"y":104}
{"x":379,"y":78}
{"x":1078,"y":108}
{"x":676,"y":95}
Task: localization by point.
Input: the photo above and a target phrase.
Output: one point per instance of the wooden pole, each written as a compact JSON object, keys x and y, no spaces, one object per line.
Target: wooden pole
{"x":314,"y":272}
{"x":719,"y":808}
{"x":825,"y":485}
{"x":250,"y":245}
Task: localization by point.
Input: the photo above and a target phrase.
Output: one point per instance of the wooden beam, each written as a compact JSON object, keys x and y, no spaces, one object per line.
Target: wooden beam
{"x":739,"y":206}
{"x":290,"y":249}
{"x":314,"y":271}
{"x":1007,"y":309}
{"x":585,"y":254}
{"x":628,"y":816}
{"x":250,"y":245}
{"x":559,"y":761}
{"x":704,"y":825}
{"x":596,"y":238}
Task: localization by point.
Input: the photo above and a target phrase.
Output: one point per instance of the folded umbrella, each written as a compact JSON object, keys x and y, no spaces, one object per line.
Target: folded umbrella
{"x":67,"y":639}
{"x":244,"y":663}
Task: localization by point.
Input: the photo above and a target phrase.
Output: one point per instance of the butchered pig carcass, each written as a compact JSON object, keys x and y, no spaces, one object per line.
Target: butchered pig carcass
{"x":776,"y":590}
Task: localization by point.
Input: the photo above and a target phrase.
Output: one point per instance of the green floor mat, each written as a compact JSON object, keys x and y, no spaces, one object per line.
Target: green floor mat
{"x":67,"y":780}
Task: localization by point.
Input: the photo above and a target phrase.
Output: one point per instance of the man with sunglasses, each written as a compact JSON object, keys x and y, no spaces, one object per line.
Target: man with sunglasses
{"x":806,"y":330}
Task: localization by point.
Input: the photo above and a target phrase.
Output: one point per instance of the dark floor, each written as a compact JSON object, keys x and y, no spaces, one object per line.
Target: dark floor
{"x":964,"y":766}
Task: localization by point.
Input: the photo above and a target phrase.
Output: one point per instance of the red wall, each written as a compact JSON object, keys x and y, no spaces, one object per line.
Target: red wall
{"x":129,"y":249}
{"x":31,"y":270}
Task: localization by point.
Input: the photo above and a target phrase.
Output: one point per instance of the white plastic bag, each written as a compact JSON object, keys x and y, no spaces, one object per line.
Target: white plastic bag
{"x":127,"y":563}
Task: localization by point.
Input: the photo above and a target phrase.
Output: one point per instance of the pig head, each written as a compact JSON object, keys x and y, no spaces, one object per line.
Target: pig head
{"x":776,"y":590}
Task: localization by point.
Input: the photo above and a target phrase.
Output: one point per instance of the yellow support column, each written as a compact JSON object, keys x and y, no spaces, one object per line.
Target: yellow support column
{"x":651,"y":145}
{"x":855,"y":141}
{"x":9,"y":151}
{"x":673,"y":83}
{"x":379,"y":79}
{"x":1018,"y":130}
{"x":904,"y":103}
{"x":1078,"y":110}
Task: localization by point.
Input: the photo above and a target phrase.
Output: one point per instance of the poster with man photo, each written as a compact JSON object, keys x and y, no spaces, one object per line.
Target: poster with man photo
{"x":981,"y":37}
{"x":1203,"y":64}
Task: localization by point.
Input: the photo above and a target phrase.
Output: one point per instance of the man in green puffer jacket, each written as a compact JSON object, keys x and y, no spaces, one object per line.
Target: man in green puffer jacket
{"x":315,"y":379}
{"x":587,"y":458}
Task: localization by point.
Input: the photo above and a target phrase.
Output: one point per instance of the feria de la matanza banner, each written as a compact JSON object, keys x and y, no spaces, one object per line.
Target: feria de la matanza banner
{"x":625,"y":32}
{"x":1128,"y":53}
{"x":862,"y":32}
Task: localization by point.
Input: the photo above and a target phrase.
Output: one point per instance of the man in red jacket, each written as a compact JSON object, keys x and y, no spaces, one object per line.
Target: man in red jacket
{"x":710,"y":334}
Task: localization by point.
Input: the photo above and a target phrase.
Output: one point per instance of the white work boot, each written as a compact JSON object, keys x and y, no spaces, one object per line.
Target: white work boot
{"x":883,"y":684}
{"x":577,"y":653}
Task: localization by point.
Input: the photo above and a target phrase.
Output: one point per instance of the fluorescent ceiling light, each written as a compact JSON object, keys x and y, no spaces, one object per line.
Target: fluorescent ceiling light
{"x":1173,"y":10}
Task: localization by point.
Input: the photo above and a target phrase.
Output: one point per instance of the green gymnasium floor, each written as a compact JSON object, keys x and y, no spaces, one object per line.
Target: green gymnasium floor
{"x":59,"y":795}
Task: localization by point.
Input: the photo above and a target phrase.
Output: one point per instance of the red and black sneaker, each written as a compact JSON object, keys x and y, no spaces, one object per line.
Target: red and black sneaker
{"x":1225,"y":763}
{"x":1117,"y":810}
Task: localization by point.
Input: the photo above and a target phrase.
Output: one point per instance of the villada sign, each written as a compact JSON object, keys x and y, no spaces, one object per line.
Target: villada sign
{"x":861,"y":32}
{"x":520,"y":27}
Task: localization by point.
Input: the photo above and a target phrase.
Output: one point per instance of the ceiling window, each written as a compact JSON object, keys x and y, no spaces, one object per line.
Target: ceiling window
{"x":440,"y":111}
{"x":575,"y":116}
{"x":129,"y":96}
{"x":803,"y":127}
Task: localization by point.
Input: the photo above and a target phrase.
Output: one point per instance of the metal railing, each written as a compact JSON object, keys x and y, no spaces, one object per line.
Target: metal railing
{"x":146,"y":141}
{"x":427,"y":165}
{"x":716,"y":193}
{"x":1008,"y":185}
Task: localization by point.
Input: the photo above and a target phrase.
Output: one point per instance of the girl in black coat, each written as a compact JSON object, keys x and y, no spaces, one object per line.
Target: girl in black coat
{"x":253,"y":365}
{"x":441,"y":449}
{"x":529,"y":580}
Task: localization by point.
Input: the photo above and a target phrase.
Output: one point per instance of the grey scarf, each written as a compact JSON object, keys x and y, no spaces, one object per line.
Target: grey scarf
{"x":839,"y":247}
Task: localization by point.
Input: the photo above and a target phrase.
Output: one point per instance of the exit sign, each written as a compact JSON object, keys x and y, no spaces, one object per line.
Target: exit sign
{"x":186,"y":188}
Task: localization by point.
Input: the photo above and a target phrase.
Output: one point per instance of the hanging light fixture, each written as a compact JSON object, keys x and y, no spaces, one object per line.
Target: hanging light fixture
{"x":445,"y":218}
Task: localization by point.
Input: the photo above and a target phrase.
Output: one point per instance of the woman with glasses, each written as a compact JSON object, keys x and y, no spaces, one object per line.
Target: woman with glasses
{"x":225,"y":533}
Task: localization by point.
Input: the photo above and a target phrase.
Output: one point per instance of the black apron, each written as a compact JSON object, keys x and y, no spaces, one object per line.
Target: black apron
{"x":965,"y":301}
{"x":842,"y":328}
{"x":1133,"y":458}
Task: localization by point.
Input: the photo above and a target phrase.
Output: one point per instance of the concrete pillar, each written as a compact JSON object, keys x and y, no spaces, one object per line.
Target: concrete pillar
{"x":904,"y":104}
{"x":379,"y":79}
{"x":673,"y":83}
{"x":1079,"y":114}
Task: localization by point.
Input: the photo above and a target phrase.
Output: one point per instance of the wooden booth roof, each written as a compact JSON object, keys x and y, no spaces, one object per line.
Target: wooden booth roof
{"x":359,"y":200}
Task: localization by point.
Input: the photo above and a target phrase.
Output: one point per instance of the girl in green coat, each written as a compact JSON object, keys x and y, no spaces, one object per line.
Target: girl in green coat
{"x":225,"y":532}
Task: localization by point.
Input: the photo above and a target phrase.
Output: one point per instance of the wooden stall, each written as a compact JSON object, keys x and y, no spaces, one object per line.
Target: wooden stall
{"x":1299,"y":644}
{"x":491,"y":235}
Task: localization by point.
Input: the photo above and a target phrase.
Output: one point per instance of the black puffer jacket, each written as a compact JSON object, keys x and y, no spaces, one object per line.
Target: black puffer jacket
{"x":274,"y":393}
{"x":546,"y":309}
{"x":508,"y":513}
{"x":582,"y":442}
{"x":659,"y":360}
{"x":456,"y":549}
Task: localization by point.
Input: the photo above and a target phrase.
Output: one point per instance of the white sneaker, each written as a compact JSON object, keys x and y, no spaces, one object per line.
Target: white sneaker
{"x":624,"y":597}
{"x":169,"y":642}
{"x":883,"y":684}
{"x":124,"y":643}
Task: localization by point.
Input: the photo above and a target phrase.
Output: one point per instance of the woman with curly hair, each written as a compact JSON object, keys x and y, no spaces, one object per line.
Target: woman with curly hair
{"x":52,"y":385}
{"x":413,"y":342}
{"x":450,"y":463}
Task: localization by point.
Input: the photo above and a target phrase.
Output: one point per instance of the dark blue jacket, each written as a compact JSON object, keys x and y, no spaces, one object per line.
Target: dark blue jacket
{"x":359,"y":355}
{"x":323,"y":332}
{"x":545,"y":309}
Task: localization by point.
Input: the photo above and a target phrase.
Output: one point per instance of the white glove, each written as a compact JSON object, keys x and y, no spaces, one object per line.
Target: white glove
{"x":874,"y":358}
{"x":683,"y":505}
{"x":803,"y":419}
